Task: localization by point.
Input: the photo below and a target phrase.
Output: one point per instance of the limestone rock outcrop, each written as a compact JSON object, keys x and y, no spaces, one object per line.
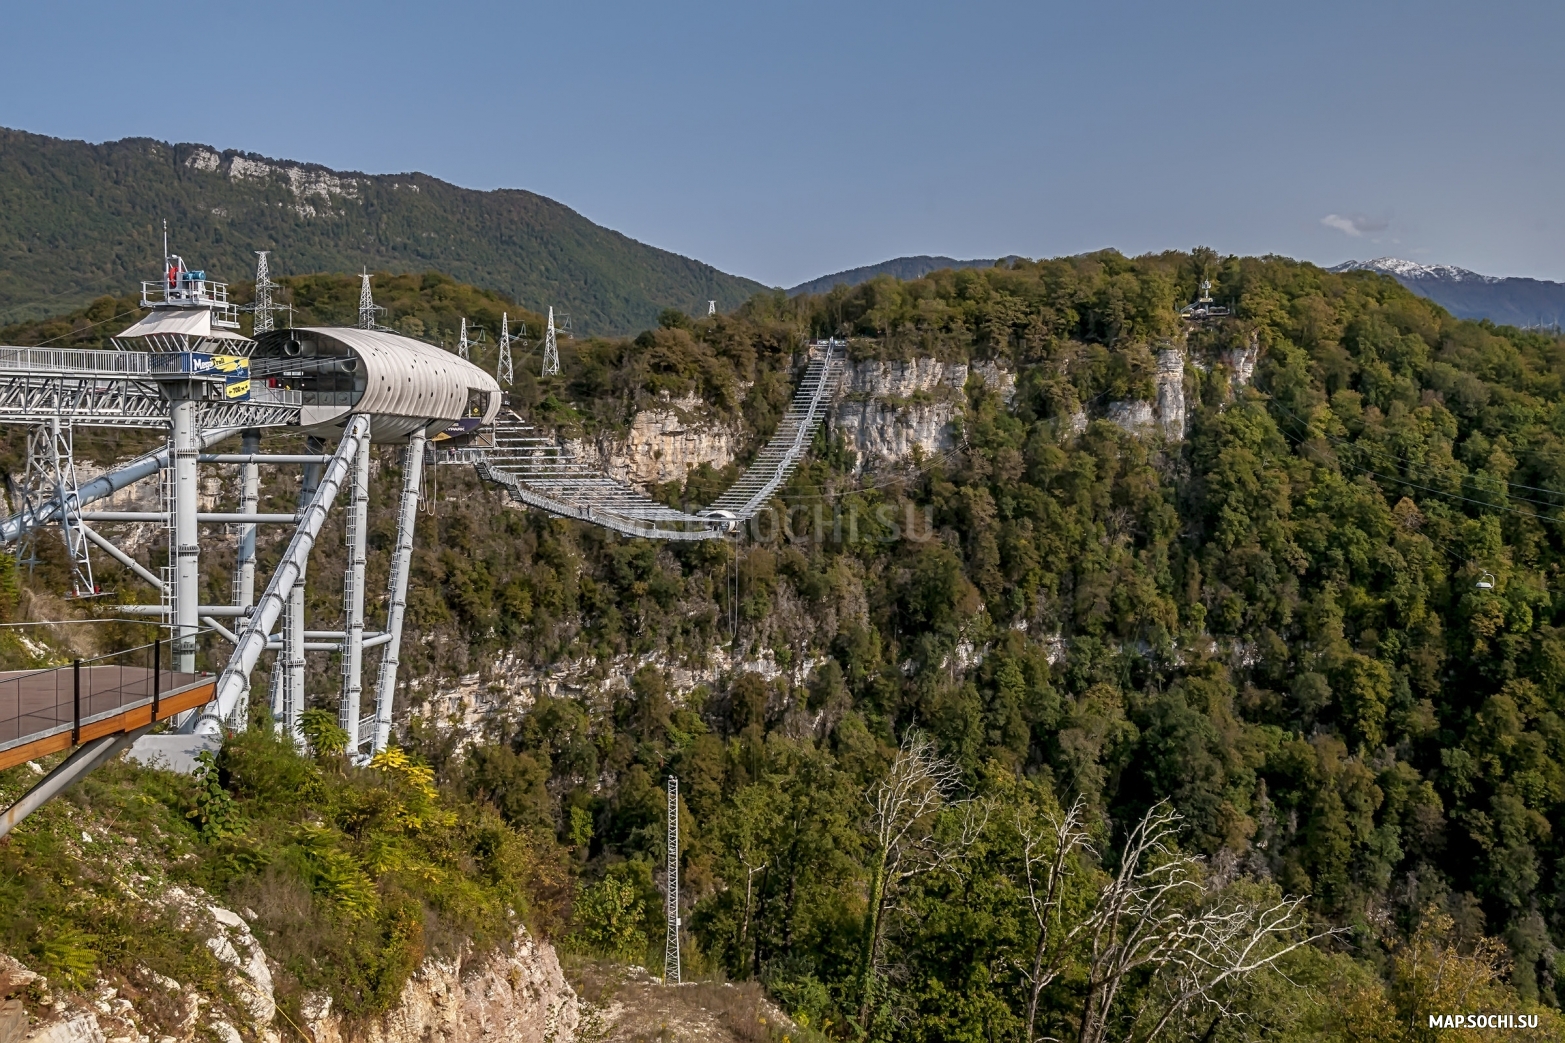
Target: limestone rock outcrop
{"x":519,"y":996}
{"x":515,"y":995}
{"x":1166,"y":413}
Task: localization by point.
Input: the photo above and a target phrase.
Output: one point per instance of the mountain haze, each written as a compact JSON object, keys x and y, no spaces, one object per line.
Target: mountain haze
{"x":79,"y":220}
{"x":1468,"y":295}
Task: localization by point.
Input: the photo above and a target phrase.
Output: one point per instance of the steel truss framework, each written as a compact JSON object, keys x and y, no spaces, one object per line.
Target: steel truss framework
{"x":539,"y":472}
{"x":116,"y":388}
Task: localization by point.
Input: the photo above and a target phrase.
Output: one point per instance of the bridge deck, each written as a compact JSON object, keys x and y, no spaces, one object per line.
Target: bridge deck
{"x":41,"y":713}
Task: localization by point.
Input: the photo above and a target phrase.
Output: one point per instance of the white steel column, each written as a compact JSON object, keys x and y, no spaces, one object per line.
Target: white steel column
{"x":353,"y":596}
{"x":292,"y":658}
{"x":187,"y":549}
{"x":249,"y":501}
{"x":401,"y":561}
{"x":244,"y":554}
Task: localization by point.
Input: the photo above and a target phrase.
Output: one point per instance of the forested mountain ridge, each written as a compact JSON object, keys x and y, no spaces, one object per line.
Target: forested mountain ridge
{"x":79,"y":220}
{"x":1320,"y":619}
{"x":915,"y":267}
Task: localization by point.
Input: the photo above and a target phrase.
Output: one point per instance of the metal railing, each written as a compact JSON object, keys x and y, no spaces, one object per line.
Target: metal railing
{"x":75,"y":362}
{"x":192,"y":293}
{"x":35,"y":704}
{"x":261,"y":394}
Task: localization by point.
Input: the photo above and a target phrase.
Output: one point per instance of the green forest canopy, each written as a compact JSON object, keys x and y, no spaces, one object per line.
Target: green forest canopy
{"x":1276,"y":624}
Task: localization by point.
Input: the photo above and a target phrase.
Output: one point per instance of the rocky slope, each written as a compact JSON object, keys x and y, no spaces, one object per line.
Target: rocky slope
{"x":515,"y":996}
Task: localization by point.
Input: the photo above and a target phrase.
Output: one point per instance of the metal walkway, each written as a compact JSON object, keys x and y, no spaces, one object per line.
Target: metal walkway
{"x":88,"y":388}
{"x":539,"y":472}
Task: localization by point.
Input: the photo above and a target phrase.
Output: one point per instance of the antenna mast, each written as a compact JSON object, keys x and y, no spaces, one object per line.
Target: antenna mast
{"x":504,"y":373}
{"x":461,"y":343}
{"x":671,"y":946}
{"x":263,"y":295}
{"x":551,"y":350}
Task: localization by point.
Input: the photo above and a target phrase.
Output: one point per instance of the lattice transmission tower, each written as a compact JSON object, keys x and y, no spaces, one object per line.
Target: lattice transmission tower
{"x":461,"y":341}
{"x":264,"y":308}
{"x":671,"y":904}
{"x":367,"y":305}
{"x":711,"y":308}
{"x":505,"y":373}
{"x":551,"y":349}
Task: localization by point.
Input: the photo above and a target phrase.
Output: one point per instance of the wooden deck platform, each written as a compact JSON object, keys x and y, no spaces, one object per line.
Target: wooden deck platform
{"x":46,"y":711}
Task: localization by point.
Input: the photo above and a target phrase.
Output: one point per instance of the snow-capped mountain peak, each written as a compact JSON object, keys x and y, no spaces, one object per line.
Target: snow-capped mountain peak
{"x":1401,"y":269}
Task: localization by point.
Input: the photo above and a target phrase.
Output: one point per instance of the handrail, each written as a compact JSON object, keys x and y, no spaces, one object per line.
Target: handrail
{"x":84,"y":361}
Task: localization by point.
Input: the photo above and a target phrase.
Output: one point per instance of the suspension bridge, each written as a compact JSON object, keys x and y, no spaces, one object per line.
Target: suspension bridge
{"x":185,"y":370}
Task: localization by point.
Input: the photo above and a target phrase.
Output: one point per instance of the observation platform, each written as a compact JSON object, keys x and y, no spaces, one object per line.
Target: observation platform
{"x":95,"y":388}
{"x":50,"y":710}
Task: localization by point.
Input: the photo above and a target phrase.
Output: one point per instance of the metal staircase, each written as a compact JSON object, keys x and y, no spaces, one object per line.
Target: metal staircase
{"x":542,"y":473}
{"x":788,"y":444}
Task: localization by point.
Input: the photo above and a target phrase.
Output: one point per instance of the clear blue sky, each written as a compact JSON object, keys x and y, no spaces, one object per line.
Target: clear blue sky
{"x":786,"y":141}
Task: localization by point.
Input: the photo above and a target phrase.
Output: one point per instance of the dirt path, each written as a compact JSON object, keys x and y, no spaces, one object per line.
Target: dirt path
{"x":628,"y":1005}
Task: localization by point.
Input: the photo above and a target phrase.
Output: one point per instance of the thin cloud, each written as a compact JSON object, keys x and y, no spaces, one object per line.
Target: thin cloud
{"x":1355,"y":225}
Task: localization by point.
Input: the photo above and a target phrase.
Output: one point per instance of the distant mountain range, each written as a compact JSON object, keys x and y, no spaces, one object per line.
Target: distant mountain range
{"x":1468,"y":295}
{"x":79,"y":220}
{"x":900,"y":267}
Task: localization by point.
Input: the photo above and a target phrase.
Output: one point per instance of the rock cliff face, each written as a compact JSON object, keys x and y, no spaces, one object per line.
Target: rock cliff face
{"x":519,"y":996}
{"x":886,"y":410}
{"x":664,"y":444}
{"x":1164,"y":415}
{"x":1241,"y":362}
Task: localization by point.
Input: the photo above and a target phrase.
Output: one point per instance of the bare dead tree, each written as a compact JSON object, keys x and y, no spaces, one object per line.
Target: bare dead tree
{"x":1156,"y":913}
{"x":905,"y":811}
{"x":1046,"y":861}
{"x":1125,"y":927}
{"x":1224,"y":945}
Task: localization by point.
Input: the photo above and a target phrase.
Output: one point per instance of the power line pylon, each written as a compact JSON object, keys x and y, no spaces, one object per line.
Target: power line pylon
{"x":671,"y":904}
{"x":504,"y":372}
{"x":367,"y":305}
{"x":551,"y":349}
{"x":461,"y":342}
{"x":711,"y":308}
{"x":264,"y":309}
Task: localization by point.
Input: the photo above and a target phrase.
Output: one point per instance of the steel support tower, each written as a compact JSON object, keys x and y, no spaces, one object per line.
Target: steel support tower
{"x":367,"y":306}
{"x":505,"y":373}
{"x":671,"y":901}
{"x":264,"y":286}
{"x":50,"y":478}
{"x":462,"y":348}
{"x":551,"y":349}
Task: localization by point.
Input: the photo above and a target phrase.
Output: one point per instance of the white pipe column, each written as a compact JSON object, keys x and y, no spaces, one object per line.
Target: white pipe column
{"x":187,"y":547}
{"x":292,"y":659}
{"x":401,"y":562}
{"x":249,"y":501}
{"x":353,"y":596}
{"x":244,"y":556}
